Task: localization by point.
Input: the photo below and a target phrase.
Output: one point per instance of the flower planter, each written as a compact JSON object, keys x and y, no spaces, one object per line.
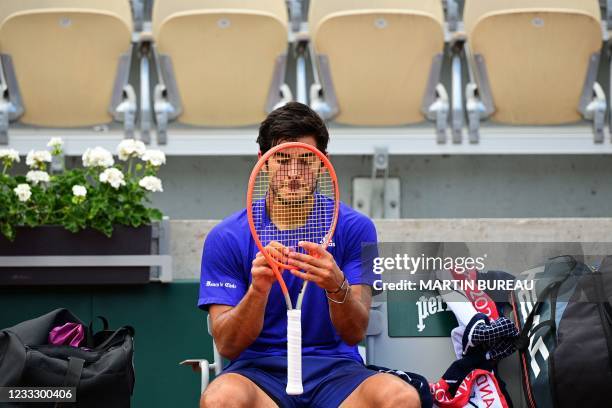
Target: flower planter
{"x":56,"y":241}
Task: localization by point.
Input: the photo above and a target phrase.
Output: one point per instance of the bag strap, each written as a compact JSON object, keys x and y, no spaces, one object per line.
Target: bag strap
{"x":73,"y":374}
{"x":74,"y":371}
{"x":522,"y":341}
{"x":90,"y":330}
{"x":106,"y":342}
{"x":608,"y":310}
{"x":547,"y":323}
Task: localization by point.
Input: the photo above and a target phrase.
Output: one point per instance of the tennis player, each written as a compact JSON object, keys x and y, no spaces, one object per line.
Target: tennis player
{"x":248,"y":311}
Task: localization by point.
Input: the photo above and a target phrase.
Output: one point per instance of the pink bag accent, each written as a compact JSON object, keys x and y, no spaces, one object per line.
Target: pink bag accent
{"x":71,"y":334}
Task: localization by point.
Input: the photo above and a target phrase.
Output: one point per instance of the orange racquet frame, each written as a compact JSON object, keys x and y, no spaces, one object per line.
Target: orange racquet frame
{"x":277,"y":266}
{"x":294,"y":331}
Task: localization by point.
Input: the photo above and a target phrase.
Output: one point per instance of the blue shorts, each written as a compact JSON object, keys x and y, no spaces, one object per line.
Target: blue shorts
{"x":327,"y":380}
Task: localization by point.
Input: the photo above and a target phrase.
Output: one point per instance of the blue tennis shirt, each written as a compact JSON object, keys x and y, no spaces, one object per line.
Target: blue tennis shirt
{"x":228,"y":252}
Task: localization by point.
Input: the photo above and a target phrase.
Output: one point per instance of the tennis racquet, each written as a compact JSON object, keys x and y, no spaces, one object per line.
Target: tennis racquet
{"x":292,"y":197}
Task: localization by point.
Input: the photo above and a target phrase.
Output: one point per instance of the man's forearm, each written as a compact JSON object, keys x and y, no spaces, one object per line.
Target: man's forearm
{"x":351,"y":317}
{"x":349,"y":307}
{"x":235,"y":329}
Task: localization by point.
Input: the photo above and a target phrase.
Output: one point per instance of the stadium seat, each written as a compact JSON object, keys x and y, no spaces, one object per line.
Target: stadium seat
{"x":66,"y":62}
{"x":220,"y":62}
{"x":534,"y":62}
{"x":379,"y":61}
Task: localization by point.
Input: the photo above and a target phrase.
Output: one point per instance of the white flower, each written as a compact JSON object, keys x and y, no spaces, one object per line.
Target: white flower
{"x":97,"y":157}
{"x":79,"y":191}
{"x":112,"y":176}
{"x":35,"y":177}
{"x":23,"y":192}
{"x":55,"y":142}
{"x":129,"y":148}
{"x":10,"y":155}
{"x":154,"y":157}
{"x":37,"y":158}
{"x":151,"y":183}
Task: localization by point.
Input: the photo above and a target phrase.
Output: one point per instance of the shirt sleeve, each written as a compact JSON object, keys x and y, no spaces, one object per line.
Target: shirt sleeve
{"x":222,"y":280}
{"x":361,"y":250}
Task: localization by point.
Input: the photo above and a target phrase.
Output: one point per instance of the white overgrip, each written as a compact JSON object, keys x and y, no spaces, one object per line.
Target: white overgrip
{"x":294,"y":352}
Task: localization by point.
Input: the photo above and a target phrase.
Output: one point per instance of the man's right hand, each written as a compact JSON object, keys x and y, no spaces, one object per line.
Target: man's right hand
{"x":263,"y":276}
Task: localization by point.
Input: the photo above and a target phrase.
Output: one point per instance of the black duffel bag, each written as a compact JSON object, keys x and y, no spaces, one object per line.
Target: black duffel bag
{"x":565,"y":344}
{"x":102,"y":370}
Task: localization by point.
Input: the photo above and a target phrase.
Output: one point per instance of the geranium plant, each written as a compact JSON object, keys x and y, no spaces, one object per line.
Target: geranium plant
{"x":101,"y":194}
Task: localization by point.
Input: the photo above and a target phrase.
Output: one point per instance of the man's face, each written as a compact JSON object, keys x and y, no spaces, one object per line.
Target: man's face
{"x":293,"y":173}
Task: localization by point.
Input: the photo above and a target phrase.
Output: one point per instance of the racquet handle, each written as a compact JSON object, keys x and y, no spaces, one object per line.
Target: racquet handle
{"x":294,"y":352}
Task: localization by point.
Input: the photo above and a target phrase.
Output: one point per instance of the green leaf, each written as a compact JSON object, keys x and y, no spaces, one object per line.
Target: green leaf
{"x":8,"y":231}
{"x":155,"y":214}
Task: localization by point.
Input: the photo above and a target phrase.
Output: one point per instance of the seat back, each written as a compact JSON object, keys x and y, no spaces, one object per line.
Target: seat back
{"x":536,"y":53}
{"x":380,"y":55}
{"x":65,"y":54}
{"x":223,"y":55}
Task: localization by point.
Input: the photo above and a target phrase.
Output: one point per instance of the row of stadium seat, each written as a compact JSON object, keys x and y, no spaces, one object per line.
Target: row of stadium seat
{"x":67,"y":63}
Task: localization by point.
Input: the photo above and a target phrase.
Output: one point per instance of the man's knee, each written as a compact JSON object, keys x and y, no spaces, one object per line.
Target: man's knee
{"x":223,"y":398}
{"x":211,"y":399}
{"x":394,"y":392}
{"x":404,"y":395}
{"x":226,"y":392}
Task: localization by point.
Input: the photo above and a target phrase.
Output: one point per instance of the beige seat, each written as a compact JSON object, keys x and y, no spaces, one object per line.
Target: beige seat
{"x":380,"y":55}
{"x":66,"y":58}
{"x":536,"y":59}
{"x":226,"y":56}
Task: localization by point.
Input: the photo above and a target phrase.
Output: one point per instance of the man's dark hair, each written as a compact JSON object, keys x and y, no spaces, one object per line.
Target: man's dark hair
{"x":290,"y":122}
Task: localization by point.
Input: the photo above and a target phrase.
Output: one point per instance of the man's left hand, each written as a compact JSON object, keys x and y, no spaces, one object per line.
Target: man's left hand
{"x":319,"y":266}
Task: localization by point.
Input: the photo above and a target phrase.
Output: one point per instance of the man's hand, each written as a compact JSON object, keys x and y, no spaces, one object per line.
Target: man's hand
{"x":319,"y":266}
{"x":263,"y":276}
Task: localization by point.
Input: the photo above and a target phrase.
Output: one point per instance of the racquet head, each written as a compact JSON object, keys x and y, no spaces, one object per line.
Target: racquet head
{"x":292,"y":197}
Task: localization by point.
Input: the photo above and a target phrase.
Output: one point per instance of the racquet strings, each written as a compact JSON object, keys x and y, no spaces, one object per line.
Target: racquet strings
{"x":293,"y":200}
